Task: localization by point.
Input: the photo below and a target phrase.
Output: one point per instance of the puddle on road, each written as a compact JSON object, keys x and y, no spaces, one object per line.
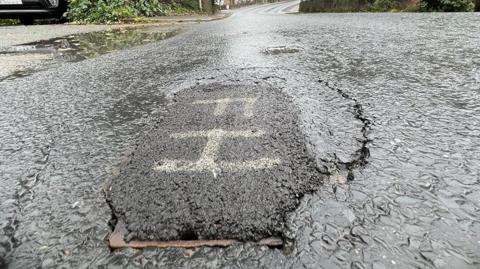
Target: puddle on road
{"x":22,"y":60}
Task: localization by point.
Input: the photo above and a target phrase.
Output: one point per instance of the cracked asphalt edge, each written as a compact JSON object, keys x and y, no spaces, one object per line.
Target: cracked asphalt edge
{"x":363,"y":153}
{"x":360,"y":157}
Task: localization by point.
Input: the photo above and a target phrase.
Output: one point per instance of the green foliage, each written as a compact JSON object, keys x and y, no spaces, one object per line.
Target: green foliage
{"x":384,"y":5}
{"x":8,"y":22}
{"x":106,"y":11}
{"x":388,"y":5}
{"x":392,"y":6}
{"x":357,"y":5}
{"x":446,"y":5}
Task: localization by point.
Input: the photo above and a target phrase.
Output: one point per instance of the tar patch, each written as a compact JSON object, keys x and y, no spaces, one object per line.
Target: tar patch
{"x":224,"y":162}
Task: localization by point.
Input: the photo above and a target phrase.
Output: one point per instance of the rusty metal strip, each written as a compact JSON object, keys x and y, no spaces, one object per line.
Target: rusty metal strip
{"x":116,"y":241}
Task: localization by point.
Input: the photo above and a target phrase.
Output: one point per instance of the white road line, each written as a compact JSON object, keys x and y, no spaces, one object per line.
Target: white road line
{"x":199,"y":166}
{"x":219,"y":133}
{"x":206,"y":162}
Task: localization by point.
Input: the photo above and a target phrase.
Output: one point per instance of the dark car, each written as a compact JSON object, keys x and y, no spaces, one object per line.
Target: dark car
{"x":29,"y":10}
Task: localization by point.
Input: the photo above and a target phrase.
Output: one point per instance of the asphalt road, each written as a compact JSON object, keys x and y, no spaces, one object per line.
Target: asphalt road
{"x":226,"y":161}
{"x":386,"y":104}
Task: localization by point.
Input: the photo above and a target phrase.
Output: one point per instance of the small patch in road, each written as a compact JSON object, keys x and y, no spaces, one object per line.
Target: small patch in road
{"x":280,"y":50}
{"x":225,"y":162}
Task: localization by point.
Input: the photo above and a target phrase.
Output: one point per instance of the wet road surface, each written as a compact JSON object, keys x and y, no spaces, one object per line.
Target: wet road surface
{"x":25,"y":59}
{"x":387,"y":105}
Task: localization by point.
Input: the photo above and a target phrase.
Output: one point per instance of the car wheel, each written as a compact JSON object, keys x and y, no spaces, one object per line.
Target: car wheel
{"x":52,"y":3}
{"x":26,"y":20}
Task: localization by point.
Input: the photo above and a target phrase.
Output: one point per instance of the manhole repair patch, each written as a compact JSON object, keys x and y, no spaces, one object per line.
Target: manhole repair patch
{"x":225,"y":162}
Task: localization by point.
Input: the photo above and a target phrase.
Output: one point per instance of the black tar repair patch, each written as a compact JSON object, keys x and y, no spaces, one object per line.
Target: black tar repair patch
{"x":224,"y":162}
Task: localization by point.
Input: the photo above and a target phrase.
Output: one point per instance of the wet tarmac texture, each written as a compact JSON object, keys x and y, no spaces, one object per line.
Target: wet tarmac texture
{"x":402,"y":87}
{"x":44,"y":54}
{"x":224,"y":162}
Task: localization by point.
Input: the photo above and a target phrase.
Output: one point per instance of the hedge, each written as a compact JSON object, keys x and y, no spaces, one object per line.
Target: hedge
{"x":117,"y":10}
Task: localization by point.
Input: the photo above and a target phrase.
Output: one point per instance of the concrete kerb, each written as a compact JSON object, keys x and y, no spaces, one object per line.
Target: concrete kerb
{"x":188,"y":18}
{"x":16,"y":35}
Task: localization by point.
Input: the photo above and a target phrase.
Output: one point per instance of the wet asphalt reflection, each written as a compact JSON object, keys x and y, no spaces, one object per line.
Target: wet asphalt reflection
{"x":79,"y":47}
{"x":388,"y":105}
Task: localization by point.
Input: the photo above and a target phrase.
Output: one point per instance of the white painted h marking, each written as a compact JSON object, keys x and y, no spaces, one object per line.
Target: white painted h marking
{"x":206,"y":162}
